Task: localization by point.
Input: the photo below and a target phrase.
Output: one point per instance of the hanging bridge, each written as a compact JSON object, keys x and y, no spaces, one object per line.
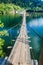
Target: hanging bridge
{"x":20,"y":54}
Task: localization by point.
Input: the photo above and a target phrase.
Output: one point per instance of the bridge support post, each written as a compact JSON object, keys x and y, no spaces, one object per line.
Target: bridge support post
{"x":8,"y":63}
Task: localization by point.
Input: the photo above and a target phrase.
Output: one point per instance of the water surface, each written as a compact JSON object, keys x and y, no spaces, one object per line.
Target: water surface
{"x":34,"y":30}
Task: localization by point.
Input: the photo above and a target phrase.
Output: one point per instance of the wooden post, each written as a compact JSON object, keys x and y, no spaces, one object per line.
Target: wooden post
{"x":41,"y":55}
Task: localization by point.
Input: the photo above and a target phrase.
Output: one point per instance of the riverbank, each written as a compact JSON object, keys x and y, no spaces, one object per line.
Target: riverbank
{"x":34,"y":14}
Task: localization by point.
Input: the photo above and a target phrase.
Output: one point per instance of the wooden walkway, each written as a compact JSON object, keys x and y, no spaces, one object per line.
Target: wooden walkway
{"x":20,"y":54}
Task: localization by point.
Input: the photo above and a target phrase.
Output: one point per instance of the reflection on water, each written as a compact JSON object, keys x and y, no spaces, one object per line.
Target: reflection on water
{"x":37,"y":24}
{"x":34,"y":26}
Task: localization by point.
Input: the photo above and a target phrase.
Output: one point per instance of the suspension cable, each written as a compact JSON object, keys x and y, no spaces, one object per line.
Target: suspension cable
{"x":13,"y":26}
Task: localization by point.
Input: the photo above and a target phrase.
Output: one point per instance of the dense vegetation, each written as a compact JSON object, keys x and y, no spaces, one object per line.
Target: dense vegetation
{"x":25,"y":3}
{"x":8,"y":8}
{"x":19,"y":4}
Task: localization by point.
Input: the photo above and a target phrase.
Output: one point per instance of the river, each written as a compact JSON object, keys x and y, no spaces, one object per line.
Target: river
{"x":34,"y":26}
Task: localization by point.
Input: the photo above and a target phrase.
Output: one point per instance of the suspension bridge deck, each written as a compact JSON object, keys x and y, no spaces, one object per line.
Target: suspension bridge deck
{"x":20,"y":54}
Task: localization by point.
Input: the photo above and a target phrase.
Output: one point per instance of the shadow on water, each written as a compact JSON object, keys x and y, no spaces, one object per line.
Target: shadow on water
{"x":10,"y":20}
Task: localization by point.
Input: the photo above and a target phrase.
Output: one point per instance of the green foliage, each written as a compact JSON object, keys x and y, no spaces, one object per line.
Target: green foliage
{"x":37,"y":8}
{"x":2,"y":7}
{"x":2,"y":54}
{"x":2,"y":41}
{"x":23,"y":3}
{"x":10,"y":8}
{"x":4,"y":33}
{"x":7,"y":8}
{"x":1,"y":25}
